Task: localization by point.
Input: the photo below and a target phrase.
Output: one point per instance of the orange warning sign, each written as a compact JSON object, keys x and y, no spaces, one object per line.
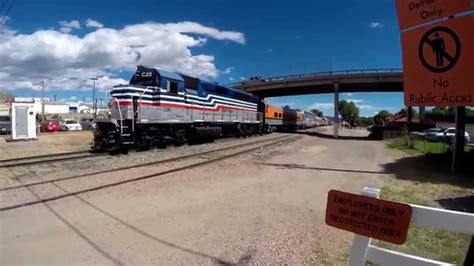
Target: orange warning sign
{"x":415,"y":12}
{"x":437,"y":63}
{"x":371,"y":217}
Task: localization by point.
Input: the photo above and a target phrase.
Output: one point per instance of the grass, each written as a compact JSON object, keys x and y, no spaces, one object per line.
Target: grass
{"x":426,"y":242}
{"x":422,"y":146}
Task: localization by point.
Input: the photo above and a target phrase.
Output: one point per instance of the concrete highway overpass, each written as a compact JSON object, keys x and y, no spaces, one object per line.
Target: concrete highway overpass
{"x":370,"y":80}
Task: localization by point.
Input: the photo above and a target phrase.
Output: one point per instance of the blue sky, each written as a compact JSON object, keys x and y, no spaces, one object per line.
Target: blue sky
{"x":238,"y":39}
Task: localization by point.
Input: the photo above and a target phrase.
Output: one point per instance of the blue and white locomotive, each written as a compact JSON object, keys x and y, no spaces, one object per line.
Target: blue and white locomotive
{"x":158,"y":108}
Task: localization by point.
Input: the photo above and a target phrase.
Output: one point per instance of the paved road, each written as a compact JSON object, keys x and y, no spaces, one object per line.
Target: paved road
{"x":266,"y":208}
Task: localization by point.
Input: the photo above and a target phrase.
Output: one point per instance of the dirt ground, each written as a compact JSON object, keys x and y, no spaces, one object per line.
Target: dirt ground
{"x":264,"y":208}
{"x":46,"y":143}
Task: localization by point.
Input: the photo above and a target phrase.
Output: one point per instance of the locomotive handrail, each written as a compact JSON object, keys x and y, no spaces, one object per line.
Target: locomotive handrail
{"x":138,"y":108}
{"x":324,"y":73}
{"x":120,"y":114}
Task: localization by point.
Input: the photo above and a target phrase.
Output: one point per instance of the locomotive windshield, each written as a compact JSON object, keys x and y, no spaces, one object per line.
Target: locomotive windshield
{"x":145,"y":77}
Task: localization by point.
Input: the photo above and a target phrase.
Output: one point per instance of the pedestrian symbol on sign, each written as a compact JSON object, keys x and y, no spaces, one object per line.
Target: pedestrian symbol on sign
{"x":439,"y":50}
{"x":444,"y":45}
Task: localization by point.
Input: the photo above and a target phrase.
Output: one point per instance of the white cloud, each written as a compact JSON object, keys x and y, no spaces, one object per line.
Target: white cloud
{"x":270,"y":50}
{"x":74,"y":24}
{"x":65,"y":29}
{"x":68,"y":26}
{"x":354,"y":100}
{"x":90,"y":23}
{"x":67,"y":61}
{"x":375,"y":25}
{"x":367,"y":107}
{"x":348,"y":94}
{"x":279,"y":102}
{"x":242,"y":78}
{"x":227,"y":70}
{"x":321,"y":106}
{"x":231,"y":79}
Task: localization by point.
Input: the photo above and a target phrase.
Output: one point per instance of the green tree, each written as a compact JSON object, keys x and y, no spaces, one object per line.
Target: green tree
{"x":317,"y":112}
{"x":349,"y":112}
{"x":365,"y":121}
{"x":470,"y":112}
{"x":382,"y":116}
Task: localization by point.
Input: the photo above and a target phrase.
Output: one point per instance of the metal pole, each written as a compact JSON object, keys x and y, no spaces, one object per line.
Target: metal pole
{"x":336,"y":109}
{"x":409,"y":114}
{"x":42,"y":101}
{"x":469,"y":260}
{"x":422,"y":115}
{"x":458,"y":152}
{"x":94,"y":107}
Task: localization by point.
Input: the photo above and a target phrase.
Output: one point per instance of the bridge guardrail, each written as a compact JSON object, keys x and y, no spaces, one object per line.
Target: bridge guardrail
{"x":326,"y":73}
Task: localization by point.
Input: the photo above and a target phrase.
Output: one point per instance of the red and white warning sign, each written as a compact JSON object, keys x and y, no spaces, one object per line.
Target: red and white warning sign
{"x":371,"y":217}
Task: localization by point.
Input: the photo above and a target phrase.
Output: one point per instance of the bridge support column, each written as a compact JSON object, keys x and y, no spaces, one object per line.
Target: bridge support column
{"x":336,"y":110}
{"x":421,"y":115}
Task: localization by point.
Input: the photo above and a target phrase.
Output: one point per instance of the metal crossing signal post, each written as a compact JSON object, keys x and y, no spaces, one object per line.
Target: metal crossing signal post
{"x":42,"y":101}
{"x":458,"y":152}
{"x":94,"y":104}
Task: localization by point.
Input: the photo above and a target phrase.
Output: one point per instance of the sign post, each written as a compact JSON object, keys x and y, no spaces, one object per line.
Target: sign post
{"x":438,"y":56}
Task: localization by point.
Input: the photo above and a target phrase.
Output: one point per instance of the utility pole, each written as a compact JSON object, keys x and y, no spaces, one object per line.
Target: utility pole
{"x":94,"y":105}
{"x":42,"y":101}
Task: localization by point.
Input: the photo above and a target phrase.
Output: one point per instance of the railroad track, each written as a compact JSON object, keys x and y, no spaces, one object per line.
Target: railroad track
{"x":57,"y":157}
{"x":47,"y":158}
{"x":204,"y":158}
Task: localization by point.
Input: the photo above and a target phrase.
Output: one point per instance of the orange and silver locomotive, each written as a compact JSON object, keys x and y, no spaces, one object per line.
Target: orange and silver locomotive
{"x":158,"y":108}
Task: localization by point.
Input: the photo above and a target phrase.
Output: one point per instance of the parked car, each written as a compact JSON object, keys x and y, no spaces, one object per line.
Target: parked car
{"x":72,"y":125}
{"x":87,"y":123}
{"x":50,"y":126}
{"x":450,"y":134}
{"x":417,"y":135}
{"x":432,"y":134}
{"x":5,"y":124}
{"x":63,"y":125}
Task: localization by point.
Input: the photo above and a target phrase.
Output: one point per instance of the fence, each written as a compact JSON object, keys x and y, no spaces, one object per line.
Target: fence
{"x":362,"y":250}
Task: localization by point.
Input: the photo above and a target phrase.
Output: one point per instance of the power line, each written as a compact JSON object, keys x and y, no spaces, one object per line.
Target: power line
{"x":8,"y":11}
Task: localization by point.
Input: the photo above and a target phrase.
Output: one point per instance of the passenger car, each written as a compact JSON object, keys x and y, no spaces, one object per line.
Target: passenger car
{"x":5,"y":124}
{"x":450,"y":134}
{"x":50,"y":126}
{"x":72,"y":124}
{"x":87,"y":123}
{"x":432,"y":134}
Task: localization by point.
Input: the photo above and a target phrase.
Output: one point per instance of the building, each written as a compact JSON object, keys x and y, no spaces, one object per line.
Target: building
{"x":84,"y":108}
{"x":73,"y":107}
{"x":4,"y":109}
{"x":50,"y":106}
{"x":55,"y":107}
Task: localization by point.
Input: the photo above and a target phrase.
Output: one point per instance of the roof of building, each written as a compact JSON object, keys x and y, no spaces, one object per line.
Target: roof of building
{"x":55,"y":103}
